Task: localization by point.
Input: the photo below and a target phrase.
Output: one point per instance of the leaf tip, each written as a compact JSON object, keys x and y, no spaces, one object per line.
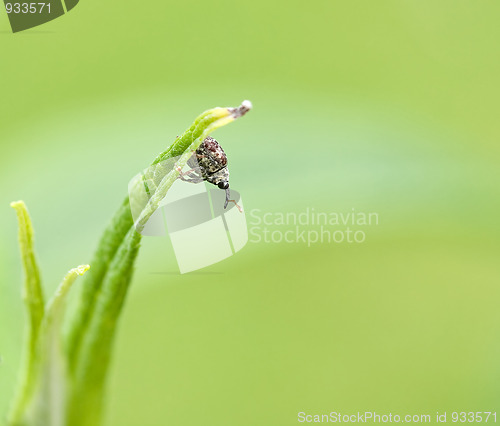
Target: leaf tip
{"x":18,"y":204}
{"x":80,"y":270}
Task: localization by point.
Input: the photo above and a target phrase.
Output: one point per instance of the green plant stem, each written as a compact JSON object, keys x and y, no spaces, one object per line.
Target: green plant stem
{"x":108,"y":245}
{"x":92,"y":329}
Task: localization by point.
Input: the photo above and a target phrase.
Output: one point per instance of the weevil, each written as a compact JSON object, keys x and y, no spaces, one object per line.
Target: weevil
{"x":209,"y":163}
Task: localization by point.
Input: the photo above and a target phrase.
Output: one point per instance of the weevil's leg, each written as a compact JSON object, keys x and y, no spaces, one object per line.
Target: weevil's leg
{"x":228,"y":194}
{"x":189,"y":179}
{"x":193,"y":180}
{"x":183,"y":174}
{"x":196,"y":173}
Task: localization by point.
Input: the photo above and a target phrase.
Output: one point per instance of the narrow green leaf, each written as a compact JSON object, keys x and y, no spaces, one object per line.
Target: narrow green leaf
{"x":48,"y":405}
{"x":86,"y":405}
{"x":109,"y":243}
{"x":33,"y":299}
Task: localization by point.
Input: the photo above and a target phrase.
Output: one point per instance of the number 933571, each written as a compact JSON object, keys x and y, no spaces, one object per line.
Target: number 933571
{"x":26,"y":8}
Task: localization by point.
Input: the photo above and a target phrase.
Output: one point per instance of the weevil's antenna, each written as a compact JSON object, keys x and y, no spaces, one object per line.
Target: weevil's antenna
{"x":228,"y":194}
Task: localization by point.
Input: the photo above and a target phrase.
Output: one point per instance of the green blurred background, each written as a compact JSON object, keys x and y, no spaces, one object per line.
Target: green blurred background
{"x":386,"y":106}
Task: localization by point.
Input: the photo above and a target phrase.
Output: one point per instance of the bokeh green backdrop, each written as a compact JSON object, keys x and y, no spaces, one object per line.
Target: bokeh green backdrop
{"x":388,"y":106}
